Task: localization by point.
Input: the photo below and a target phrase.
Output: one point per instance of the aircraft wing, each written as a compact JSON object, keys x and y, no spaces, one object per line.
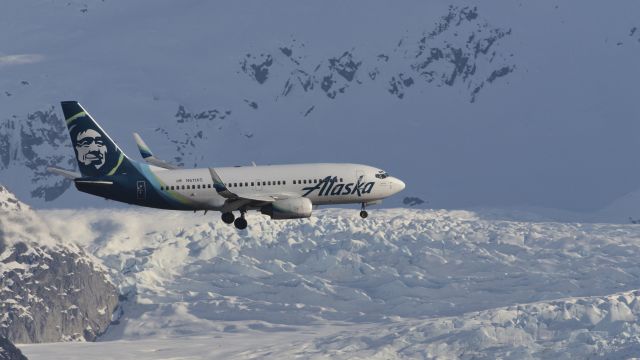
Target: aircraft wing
{"x":147,"y":155}
{"x":262,"y":197}
{"x":245,"y":198}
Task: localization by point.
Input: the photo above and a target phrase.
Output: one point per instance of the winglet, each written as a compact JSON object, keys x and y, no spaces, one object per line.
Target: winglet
{"x":147,"y":155}
{"x":144,"y":149}
{"x":220,"y":187}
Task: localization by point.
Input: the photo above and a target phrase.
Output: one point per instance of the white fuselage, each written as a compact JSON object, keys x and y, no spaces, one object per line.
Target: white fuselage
{"x":350,"y":183}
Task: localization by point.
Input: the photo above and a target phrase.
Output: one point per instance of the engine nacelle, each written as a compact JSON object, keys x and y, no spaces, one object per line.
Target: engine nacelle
{"x":297,"y":208}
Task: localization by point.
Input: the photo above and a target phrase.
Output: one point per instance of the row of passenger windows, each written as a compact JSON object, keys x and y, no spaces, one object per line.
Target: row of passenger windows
{"x":253,"y":183}
{"x":186,"y":187}
{"x":240,"y":184}
{"x":310,"y":181}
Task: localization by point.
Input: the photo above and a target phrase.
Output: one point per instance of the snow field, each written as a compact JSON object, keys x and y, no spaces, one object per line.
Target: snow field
{"x":401,"y":284}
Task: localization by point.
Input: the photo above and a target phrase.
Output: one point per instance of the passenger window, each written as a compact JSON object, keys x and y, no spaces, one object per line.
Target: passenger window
{"x":252,"y":183}
{"x":294,"y":182}
{"x":284,"y":182}
{"x":278,"y":182}
{"x":341,"y":180}
{"x":240,"y":184}
{"x":209,"y":186}
{"x":198,"y":186}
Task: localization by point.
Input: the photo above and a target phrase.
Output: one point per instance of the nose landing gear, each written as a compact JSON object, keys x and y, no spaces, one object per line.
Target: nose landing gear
{"x":363,"y":212}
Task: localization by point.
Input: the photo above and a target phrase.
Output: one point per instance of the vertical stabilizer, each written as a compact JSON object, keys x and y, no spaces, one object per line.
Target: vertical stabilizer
{"x":96,"y":153}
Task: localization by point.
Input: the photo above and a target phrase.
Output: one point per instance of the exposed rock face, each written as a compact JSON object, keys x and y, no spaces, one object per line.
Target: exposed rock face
{"x":8,"y":351}
{"x":191,"y":130}
{"x":30,"y":144}
{"x":48,"y":291}
{"x":462,"y":49}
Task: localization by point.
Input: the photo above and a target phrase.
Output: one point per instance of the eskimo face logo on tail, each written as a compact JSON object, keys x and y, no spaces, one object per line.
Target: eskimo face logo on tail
{"x":330,"y":187}
{"x":93,"y":151}
{"x":90,"y":148}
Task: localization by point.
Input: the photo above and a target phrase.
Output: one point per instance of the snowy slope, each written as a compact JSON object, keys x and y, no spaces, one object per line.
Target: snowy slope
{"x":491,"y":105}
{"x":402,"y":284}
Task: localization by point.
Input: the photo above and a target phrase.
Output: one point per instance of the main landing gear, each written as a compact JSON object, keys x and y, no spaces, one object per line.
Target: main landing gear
{"x":363,"y":212}
{"x":240,"y":223}
{"x":228,"y":217}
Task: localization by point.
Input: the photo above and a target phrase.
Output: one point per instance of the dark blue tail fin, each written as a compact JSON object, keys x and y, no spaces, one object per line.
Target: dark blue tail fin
{"x":96,"y":153}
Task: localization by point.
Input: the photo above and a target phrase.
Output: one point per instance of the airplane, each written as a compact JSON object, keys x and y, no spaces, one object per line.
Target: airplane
{"x":279,"y":191}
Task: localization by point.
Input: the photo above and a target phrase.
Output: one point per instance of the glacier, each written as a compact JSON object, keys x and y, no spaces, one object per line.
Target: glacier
{"x":402,"y":284}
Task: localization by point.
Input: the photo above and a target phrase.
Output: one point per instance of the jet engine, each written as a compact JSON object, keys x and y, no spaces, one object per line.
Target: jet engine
{"x":296,"y":208}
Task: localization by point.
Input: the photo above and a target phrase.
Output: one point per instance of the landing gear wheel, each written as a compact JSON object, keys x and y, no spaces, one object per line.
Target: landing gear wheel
{"x":228,"y":217}
{"x":240,"y":223}
{"x":363,"y":212}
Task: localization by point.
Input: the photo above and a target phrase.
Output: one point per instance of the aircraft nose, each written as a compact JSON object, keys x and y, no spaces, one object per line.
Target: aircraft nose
{"x":398,"y":185}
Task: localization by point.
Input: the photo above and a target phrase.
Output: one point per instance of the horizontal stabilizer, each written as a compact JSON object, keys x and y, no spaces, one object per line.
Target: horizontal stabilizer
{"x":66,"y":173}
{"x":147,"y":155}
{"x":94,"y":182}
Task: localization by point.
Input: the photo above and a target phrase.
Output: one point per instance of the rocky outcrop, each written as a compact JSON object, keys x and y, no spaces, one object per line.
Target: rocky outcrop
{"x":461,"y":49}
{"x":190,"y":131}
{"x":8,"y":351}
{"x":49,"y":291}
{"x":29,"y":144}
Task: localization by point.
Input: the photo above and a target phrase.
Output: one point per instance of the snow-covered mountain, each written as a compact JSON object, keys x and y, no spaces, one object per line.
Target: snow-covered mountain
{"x":402,"y":284}
{"x":473,"y":105}
{"x":50,"y":289}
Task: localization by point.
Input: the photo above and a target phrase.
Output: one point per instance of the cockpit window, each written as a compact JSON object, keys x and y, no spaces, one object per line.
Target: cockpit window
{"x":382,"y":174}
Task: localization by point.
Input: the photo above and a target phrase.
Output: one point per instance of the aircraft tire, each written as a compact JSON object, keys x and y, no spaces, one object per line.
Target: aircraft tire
{"x":240,"y":223}
{"x":228,"y":217}
{"x":364,"y":214}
